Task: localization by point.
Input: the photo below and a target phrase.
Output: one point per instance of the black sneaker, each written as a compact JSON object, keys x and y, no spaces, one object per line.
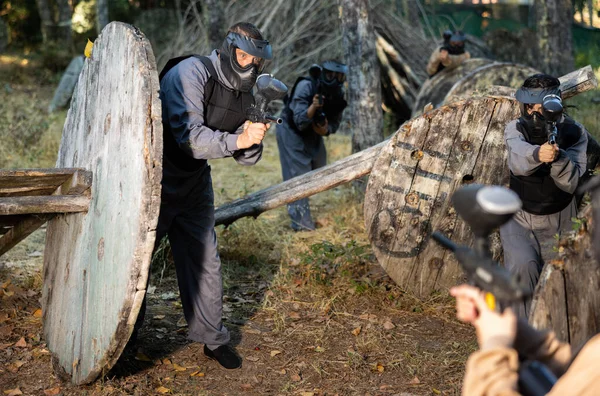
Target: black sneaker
{"x":225,"y":355}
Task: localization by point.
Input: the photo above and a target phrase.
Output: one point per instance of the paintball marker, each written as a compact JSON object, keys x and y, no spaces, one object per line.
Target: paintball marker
{"x":268,"y":88}
{"x":485,"y":208}
{"x":552,"y":110}
{"x":315,"y":73}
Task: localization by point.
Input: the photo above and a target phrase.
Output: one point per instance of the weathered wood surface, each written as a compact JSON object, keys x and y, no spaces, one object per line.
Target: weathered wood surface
{"x":44,"y":204}
{"x":549,"y":303}
{"x":39,"y":192}
{"x":66,"y":86}
{"x":504,"y":74}
{"x":96,"y":264}
{"x":330,"y":176}
{"x":577,"y":274}
{"x":414,"y":176}
{"x":20,"y":229}
{"x":33,"y":182}
{"x":435,"y":88}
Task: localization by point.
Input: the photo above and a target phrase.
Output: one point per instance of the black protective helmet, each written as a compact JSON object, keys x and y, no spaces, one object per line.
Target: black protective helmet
{"x":550,"y":98}
{"x":243,"y":78}
{"x":334,"y":73}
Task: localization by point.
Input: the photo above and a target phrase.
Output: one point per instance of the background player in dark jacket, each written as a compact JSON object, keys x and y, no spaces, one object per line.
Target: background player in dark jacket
{"x":313,"y":110}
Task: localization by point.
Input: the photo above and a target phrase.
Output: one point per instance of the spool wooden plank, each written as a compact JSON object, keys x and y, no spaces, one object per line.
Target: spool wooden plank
{"x":504,"y":74}
{"x":435,"y":88}
{"x":96,"y":264}
{"x":416,"y":173}
{"x":567,"y":298}
{"x":32,"y":182}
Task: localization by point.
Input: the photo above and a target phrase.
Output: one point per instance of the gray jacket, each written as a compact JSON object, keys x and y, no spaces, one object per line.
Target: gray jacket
{"x":524,"y":161}
{"x":182,"y":95}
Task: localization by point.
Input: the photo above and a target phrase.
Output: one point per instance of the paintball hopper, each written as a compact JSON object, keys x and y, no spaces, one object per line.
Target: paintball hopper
{"x":268,"y":88}
{"x":552,"y":108}
{"x":485,"y":208}
{"x":315,"y":71}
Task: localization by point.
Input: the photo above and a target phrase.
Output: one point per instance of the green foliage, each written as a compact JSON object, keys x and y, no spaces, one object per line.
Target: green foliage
{"x":23,"y":21}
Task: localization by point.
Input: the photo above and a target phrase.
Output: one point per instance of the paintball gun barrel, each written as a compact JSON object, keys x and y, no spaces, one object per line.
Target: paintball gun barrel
{"x":485,"y":208}
{"x":268,"y":88}
{"x":552,"y":110}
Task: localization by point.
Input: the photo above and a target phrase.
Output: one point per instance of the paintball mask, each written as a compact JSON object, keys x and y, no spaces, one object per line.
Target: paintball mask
{"x":454,"y":42}
{"x":552,"y":107}
{"x":333,"y":74}
{"x":243,"y":78}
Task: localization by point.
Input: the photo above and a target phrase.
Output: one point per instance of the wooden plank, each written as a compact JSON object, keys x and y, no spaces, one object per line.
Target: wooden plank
{"x":582,"y":278}
{"x":44,"y":204}
{"x":21,"y":230}
{"x":96,"y":264}
{"x":549,"y":304}
{"x":578,"y":81}
{"x":30,"y":182}
{"x":330,"y":176}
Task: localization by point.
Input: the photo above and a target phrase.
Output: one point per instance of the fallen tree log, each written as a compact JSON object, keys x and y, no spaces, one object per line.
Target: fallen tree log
{"x":330,"y":176}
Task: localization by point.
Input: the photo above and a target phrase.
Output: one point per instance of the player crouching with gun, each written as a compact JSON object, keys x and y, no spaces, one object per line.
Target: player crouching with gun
{"x":513,"y":357}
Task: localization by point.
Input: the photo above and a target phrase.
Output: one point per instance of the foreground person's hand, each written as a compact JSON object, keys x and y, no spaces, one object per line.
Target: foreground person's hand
{"x":493,"y":329}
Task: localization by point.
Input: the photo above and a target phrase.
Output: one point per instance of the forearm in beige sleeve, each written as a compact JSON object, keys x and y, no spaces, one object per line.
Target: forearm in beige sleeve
{"x":492,"y":372}
{"x":455,"y":60}
{"x":544,"y":347}
{"x":434,"y":62}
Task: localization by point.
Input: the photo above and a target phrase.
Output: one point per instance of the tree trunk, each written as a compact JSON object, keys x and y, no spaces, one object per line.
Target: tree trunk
{"x":554,"y":36}
{"x":364,"y":90}
{"x":56,"y":22}
{"x":46,"y":19}
{"x":63,"y":26}
{"x":215,"y":23}
{"x":412,"y":14}
{"x":590,"y":5}
{"x":101,"y":15}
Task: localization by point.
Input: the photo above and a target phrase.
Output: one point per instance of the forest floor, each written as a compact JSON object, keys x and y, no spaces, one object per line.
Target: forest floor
{"x":311,"y":313}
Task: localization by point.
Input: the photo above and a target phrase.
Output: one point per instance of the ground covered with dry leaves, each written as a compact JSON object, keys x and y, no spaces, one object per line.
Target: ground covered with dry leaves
{"x":311,"y":313}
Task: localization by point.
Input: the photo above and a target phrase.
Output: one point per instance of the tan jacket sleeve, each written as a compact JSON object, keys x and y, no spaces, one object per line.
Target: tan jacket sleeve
{"x":434,"y":62}
{"x":583,"y":376}
{"x":492,"y":372}
{"x":455,"y":60}
{"x":451,"y":62}
{"x":544,"y":347}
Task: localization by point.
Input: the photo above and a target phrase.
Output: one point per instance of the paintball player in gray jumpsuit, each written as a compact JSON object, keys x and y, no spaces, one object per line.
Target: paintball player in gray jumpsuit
{"x":313,"y":110}
{"x":544,"y":176}
{"x":203,"y":112}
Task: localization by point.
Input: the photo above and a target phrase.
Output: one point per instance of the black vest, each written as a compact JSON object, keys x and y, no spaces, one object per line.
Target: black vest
{"x":333,"y":106}
{"x":224,"y":110}
{"x":539,"y":193}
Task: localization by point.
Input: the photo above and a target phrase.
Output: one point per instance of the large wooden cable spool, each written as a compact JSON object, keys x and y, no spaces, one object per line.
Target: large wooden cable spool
{"x":413,"y":178}
{"x":435,"y":88}
{"x":496,"y":74}
{"x":96,"y":263}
